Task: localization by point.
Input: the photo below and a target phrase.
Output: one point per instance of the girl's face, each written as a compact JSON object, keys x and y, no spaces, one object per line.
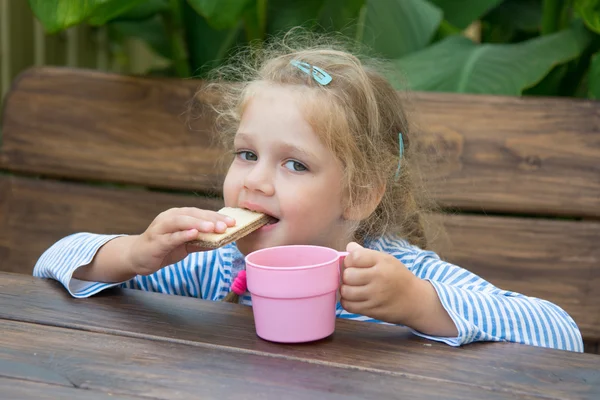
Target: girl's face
{"x":281,"y":168}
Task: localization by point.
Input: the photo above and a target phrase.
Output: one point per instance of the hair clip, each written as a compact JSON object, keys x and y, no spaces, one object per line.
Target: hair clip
{"x":400,"y":155}
{"x":317,"y":73}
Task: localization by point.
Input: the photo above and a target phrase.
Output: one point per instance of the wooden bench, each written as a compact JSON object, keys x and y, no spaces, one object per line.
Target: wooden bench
{"x":519,"y":178}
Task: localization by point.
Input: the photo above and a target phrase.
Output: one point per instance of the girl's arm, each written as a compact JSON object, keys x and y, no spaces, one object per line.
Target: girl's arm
{"x":192,"y":276}
{"x":482,"y":312}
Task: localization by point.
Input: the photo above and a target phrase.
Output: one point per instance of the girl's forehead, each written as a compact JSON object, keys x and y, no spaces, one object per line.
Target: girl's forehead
{"x":304,"y":112}
{"x":311,"y":105}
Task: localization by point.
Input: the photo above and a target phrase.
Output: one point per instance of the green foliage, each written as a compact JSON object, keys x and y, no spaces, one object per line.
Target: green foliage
{"x":461,"y":13}
{"x":384,"y":32}
{"x":491,"y":68}
{"x":590,"y":12}
{"x":57,"y":15}
{"x":531,"y":47}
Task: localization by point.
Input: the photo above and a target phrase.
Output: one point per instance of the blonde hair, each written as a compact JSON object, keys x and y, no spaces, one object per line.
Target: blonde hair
{"x":363,"y":118}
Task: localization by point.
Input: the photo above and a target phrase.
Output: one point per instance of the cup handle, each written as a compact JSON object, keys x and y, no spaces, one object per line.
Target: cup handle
{"x":342,"y":255}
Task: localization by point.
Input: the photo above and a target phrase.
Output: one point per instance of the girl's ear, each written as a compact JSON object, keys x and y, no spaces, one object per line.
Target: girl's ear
{"x":364,"y":207}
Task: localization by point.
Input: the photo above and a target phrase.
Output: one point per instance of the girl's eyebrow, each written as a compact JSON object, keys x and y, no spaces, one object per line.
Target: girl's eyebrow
{"x":302,"y":153}
{"x":283,"y":146}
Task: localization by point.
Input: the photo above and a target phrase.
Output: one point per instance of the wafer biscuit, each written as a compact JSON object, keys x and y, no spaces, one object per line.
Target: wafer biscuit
{"x":246,"y":222}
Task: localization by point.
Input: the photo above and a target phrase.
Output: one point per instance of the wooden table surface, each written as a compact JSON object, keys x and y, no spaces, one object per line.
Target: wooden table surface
{"x":129,"y":344}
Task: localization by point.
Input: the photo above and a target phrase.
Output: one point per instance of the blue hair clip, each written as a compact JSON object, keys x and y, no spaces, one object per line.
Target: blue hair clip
{"x":400,"y":155}
{"x":317,"y":73}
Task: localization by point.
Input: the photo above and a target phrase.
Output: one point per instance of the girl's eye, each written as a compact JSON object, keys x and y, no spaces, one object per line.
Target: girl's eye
{"x":247,"y":155}
{"x":295,"y":166}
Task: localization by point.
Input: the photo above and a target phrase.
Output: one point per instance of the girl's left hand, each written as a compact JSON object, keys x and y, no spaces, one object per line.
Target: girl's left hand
{"x":378,"y":285}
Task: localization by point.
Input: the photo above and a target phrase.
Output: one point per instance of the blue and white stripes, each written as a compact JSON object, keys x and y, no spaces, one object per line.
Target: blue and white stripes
{"x":480,"y":311}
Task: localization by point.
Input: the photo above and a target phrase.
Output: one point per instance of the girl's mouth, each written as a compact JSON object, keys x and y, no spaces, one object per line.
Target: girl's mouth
{"x":270,"y":225}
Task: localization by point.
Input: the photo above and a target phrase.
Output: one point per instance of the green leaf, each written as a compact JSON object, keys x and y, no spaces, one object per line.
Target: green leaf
{"x":220,"y":14}
{"x":505,"y":69}
{"x":394,"y":28}
{"x":57,"y":15}
{"x":107,"y":10}
{"x":144,"y":10}
{"x":594,"y":78}
{"x":550,"y":84}
{"x":339,"y":15}
{"x":285,"y":14}
{"x":207,"y":46}
{"x":512,"y":15}
{"x":590,"y":12}
{"x":461,"y":13}
{"x":152,"y":30}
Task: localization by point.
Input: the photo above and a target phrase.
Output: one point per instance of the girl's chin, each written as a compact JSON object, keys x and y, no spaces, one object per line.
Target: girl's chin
{"x":259,"y":239}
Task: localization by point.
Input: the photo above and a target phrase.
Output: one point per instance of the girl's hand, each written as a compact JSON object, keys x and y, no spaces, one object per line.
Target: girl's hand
{"x":165,"y":241}
{"x":378,"y":285}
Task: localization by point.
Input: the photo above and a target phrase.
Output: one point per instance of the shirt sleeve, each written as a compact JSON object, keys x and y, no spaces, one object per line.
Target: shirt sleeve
{"x":482,"y":312}
{"x":193,"y":276}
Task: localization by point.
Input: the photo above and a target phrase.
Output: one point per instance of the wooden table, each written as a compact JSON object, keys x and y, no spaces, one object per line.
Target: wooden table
{"x":129,"y":344}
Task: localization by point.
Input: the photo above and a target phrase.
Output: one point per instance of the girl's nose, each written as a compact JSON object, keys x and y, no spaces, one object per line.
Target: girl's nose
{"x":260,"y":179}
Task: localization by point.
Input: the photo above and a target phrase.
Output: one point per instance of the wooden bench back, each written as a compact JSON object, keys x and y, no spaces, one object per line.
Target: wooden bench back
{"x":105,"y":146}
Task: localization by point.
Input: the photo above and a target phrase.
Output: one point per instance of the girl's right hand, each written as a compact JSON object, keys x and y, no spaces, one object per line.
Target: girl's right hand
{"x":165,"y":241}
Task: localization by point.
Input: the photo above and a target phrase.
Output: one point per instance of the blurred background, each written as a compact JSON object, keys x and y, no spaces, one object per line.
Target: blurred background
{"x":506,"y":47}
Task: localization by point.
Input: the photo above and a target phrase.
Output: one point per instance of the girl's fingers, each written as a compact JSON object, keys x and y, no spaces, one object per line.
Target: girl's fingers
{"x":355,"y":307}
{"x":185,"y":222}
{"x":207,"y":215}
{"x":357,"y":276}
{"x":354,"y":293}
{"x":175,"y":223}
{"x":178,"y":238}
{"x":362,"y":258}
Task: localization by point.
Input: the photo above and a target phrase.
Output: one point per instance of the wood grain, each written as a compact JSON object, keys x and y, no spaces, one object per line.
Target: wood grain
{"x":554,"y":260}
{"x":510,"y":154}
{"x":550,"y":259}
{"x":158,"y":369}
{"x":355,"y":345}
{"x":36,"y":213}
{"x":26,"y":389}
{"x":484,"y":153}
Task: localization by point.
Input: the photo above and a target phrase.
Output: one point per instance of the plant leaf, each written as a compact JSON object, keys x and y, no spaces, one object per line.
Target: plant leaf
{"x":503,"y":22}
{"x":220,"y":14}
{"x":57,"y":15}
{"x":590,"y":12}
{"x":505,"y":69}
{"x":594,"y":78}
{"x":339,"y":15}
{"x":394,"y":28}
{"x":107,"y":10}
{"x":207,"y":46}
{"x":461,"y":13}
{"x":144,"y":10}
{"x":284,"y":14}
{"x":151,"y":30}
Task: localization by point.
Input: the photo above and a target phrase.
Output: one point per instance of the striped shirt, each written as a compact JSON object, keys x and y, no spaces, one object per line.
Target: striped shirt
{"x":481,"y":311}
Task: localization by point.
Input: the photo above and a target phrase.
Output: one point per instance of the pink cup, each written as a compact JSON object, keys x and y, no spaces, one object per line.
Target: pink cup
{"x":293,"y":291}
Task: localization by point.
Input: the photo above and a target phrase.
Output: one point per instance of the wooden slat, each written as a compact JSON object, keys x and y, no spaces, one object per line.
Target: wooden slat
{"x":390,"y":350}
{"x":92,"y":125}
{"x":512,"y":154}
{"x":155,"y":369}
{"x":550,"y":259}
{"x":36,"y":213}
{"x":498,"y":154}
{"x":555,"y":260}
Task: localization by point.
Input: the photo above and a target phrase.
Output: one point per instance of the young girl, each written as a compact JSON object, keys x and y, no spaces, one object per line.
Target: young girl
{"x":320,"y":142}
